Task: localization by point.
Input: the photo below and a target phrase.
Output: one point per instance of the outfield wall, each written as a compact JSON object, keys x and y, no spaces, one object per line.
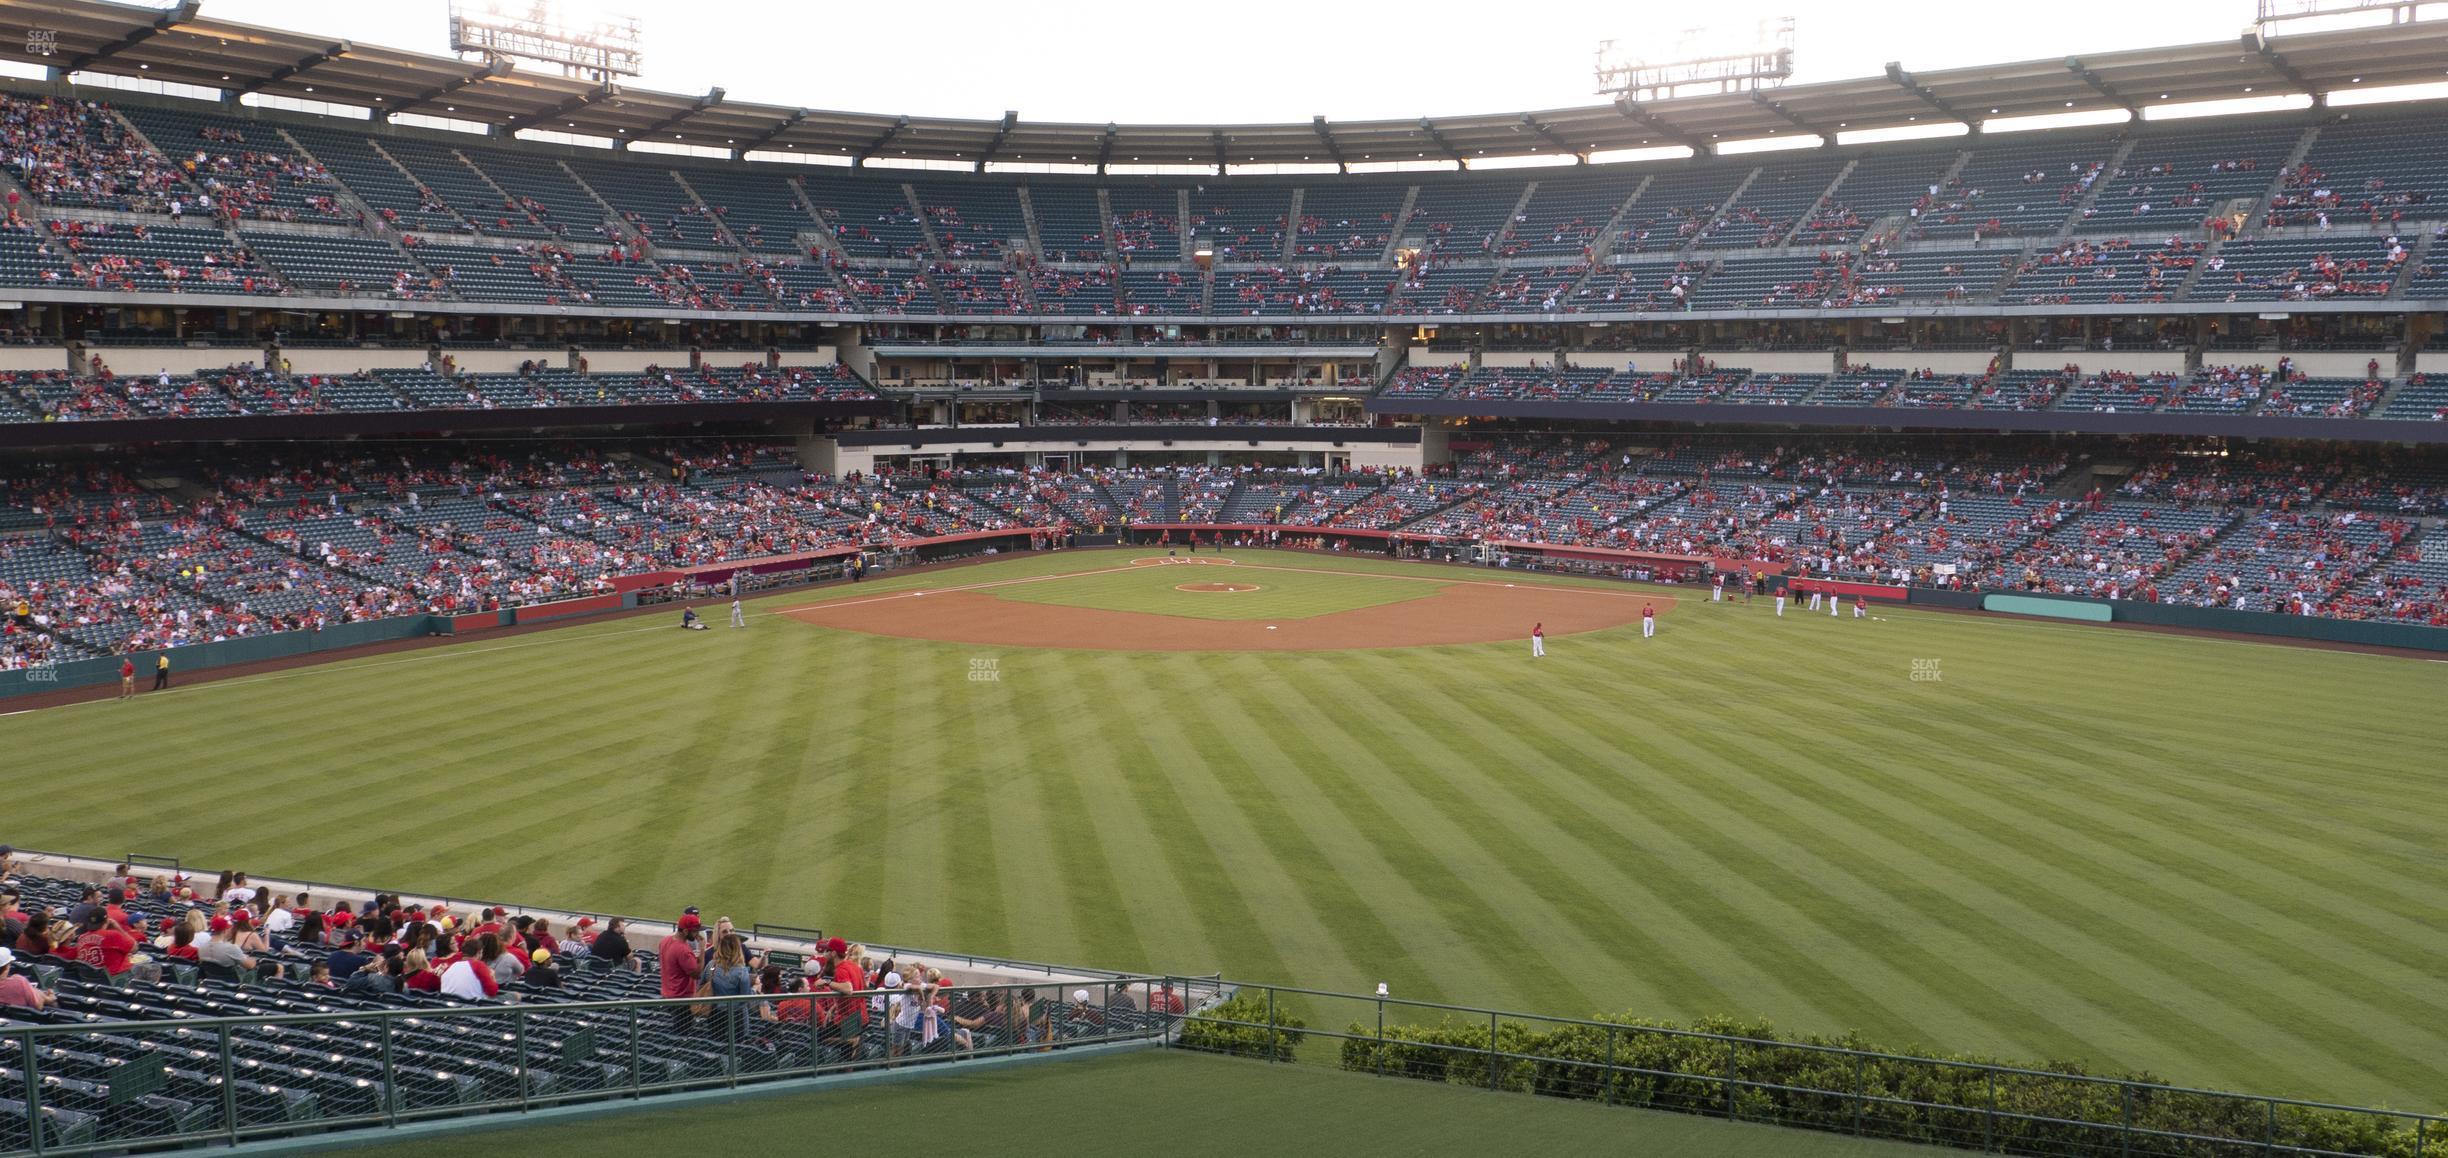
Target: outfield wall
{"x":2364,"y":633}
{"x":204,"y":656}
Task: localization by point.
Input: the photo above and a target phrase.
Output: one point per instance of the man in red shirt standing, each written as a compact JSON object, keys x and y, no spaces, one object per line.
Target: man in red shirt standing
{"x":681,"y":965}
{"x":1538,"y":640}
{"x":1648,"y":620}
{"x":127,"y":678}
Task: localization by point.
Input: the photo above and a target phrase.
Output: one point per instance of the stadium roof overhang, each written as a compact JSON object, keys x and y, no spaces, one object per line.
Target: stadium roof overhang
{"x":181,"y":45}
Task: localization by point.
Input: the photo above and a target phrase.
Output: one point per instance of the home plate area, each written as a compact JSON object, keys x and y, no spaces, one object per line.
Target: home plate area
{"x":1142,"y":606}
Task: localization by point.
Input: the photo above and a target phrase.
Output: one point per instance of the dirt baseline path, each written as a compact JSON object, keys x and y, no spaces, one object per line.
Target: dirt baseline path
{"x":1461,"y":611}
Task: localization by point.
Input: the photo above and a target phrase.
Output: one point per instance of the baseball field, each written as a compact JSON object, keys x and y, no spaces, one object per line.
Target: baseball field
{"x":2217,"y":861}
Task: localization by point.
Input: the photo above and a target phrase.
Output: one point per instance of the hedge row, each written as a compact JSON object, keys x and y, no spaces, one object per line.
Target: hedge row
{"x":1937,"y":1101}
{"x":1239,"y":1028}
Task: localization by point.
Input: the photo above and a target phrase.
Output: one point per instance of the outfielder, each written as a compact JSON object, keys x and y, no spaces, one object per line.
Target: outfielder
{"x":1648,"y":621}
{"x":738,"y":617}
{"x":1538,"y":640}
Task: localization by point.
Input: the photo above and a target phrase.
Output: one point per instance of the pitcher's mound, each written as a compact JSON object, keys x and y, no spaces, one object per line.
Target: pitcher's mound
{"x":1219,"y":588}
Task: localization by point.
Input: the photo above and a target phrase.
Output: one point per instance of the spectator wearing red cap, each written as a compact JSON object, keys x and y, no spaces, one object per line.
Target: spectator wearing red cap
{"x":840,"y":1020}
{"x":681,"y":965}
{"x":223,"y":950}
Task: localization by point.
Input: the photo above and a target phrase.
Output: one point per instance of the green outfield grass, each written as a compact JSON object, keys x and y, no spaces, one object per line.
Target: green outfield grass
{"x":2218,"y":861}
{"x":1166,"y":1102}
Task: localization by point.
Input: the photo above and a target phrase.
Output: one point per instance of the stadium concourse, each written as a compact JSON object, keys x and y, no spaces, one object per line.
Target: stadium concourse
{"x":210,"y":547}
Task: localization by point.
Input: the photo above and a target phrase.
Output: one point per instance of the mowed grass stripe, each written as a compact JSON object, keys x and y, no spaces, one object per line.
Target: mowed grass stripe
{"x":2280,"y":891}
{"x":1484,"y":942}
{"x":1135,"y":729}
{"x":1585,"y":878}
{"x":2246,"y":1002}
{"x":1314,"y":916}
{"x":2154,"y":825}
{"x":1816,"y":886}
{"x":1385,"y":921}
{"x":1089,"y":879}
{"x":2128,"y":997}
{"x":1794,"y":925}
{"x":1458,"y":831}
{"x":2218,"y":969}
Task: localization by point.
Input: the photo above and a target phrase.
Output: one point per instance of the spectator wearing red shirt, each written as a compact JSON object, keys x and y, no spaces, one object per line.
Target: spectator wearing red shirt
{"x":416,"y":976}
{"x":681,"y":964}
{"x":16,"y":991}
{"x":105,"y":944}
{"x":840,"y":1020}
{"x":127,"y":679}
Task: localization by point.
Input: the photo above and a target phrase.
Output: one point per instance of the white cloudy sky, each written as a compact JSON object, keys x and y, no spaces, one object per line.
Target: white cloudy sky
{"x":1264,"y":60}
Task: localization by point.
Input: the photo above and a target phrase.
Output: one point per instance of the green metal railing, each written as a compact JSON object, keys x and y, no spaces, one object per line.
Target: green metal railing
{"x":1967,"y":1105}
{"x":102,"y":1086}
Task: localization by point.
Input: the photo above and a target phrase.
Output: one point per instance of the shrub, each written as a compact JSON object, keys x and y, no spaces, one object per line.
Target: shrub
{"x":2052,"y":1108}
{"x":1239,"y":1028}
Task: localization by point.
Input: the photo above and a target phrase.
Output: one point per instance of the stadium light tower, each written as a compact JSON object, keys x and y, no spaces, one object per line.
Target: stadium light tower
{"x":547,"y":31}
{"x":1637,"y":78}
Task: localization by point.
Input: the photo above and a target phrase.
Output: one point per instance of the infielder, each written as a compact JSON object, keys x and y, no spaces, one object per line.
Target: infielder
{"x":1538,"y":640}
{"x":738,"y":617}
{"x":1648,"y":621}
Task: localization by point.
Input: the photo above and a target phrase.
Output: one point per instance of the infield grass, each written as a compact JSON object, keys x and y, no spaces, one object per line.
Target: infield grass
{"x":1282,"y":592}
{"x":2217,"y":861}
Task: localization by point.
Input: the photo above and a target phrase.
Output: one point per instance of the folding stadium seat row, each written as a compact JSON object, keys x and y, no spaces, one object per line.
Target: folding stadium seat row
{"x":1899,"y":183}
{"x":1241,"y":222}
{"x":162,"y":259}
{"x":552,"y":196}
{"x":2298,"y":269}
{"x":1348,"y":219}
{"x":354,"y":264}
{"x":1565,"y":216}
{"x":469,"y":196}
{"x":2017,"y":186}
{"x":1463,"y":219}
{"x":1772,"y":204}
{"x":2177,"y":177}
{"x":868,"y":218}
{"x":1071,"y":226}
{"x":652,"y":200}
{"x":761,"y":210}
{"x":352,"y":161}
{"x":255,"y":169}
{"x":973,"y":219}
{"x":2370,"y":170}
